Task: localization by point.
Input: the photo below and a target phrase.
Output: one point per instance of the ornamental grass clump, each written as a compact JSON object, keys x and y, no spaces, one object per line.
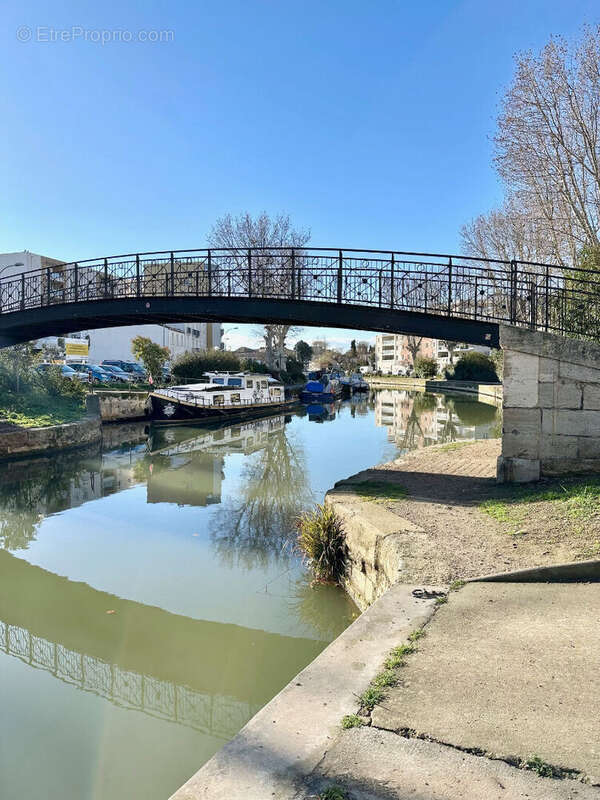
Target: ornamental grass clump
{"x":322,"y":541}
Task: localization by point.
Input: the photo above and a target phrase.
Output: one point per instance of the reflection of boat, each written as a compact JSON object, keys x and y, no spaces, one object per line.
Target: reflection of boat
{"x":319,"y":412}
{"x":321,"y":387}
{"x":223,"y":395}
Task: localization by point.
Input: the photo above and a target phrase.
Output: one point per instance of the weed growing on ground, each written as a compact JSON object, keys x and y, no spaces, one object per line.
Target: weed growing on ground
{"x":371,"y":697}
{"x":386,"y":678}
{"x":416,"y":635}
{"x":543,"y":769}
{"x":352,"y":721}
{"x":443,"y":598}
{"x":449,"y":448}
{"x":322,"y":540}
{"x":333,"y":793}
{"x":456,"y":585}
{"x":379,"y":491}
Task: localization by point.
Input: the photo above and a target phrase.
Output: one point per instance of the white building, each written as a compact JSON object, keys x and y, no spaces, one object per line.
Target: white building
{"x":179,"y":337}
{"x":114,"y":343}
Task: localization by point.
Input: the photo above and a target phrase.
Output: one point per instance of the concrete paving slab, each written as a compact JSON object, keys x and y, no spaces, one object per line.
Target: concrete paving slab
{"x":511,"y":669}
{"x":372,"y":764}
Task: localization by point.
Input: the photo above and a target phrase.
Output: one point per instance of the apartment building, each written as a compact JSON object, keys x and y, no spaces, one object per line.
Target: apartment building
{"x":393,"y":352}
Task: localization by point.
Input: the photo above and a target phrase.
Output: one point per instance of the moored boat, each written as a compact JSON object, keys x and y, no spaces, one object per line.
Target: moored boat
{"x":321,"y":388}
{"x":237,"y":395}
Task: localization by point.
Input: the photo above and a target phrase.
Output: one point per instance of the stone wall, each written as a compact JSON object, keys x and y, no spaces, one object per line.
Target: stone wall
{"x":29,"y":441}
{"x":551,"y":405}
{"x":483,"y":392}
{"x":114,"y":406}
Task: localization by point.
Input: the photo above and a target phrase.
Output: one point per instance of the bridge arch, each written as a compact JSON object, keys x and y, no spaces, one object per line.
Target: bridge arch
{"x":446,"y":296}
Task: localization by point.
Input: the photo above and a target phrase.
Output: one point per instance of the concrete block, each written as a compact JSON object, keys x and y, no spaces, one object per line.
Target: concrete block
{"x":548,"y":421}
{"x":548,"y":370}
{"x":559,"y":447}
{"x":588,"y":446}
{"x":521,"y":446}
{"x":569,"y":394}
{"x":546,"y":393}
{"x":522,"y":420}
{"x":570,"y":466}
{"x":520,"y":380}
{"x":578,"y":372}
{"x":591,"y":397}
{"x":578,"y":423}
{"x":517,"y":470}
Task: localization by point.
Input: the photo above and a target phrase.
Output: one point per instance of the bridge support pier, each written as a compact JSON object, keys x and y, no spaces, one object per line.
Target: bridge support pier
{"x":551,"y":406}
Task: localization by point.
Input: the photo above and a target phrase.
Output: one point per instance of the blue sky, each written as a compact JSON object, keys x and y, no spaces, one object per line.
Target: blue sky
{"x":368,"y":122}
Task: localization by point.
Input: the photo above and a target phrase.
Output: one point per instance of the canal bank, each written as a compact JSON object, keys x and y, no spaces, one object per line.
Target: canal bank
{"x":482,"y":392}
{"x":416,"y":528}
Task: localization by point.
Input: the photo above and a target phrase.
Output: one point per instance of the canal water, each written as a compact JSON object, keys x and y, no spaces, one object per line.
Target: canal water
{"x":150,"y":597}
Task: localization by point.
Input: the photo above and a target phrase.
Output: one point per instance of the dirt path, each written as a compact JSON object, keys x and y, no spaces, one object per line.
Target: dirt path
{"x":445,"y":489}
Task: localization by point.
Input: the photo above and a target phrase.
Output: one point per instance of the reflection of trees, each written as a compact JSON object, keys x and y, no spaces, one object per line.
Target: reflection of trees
{"x":31,"y":492}
{"x":260,"y":521}
{"x":326,"y":610}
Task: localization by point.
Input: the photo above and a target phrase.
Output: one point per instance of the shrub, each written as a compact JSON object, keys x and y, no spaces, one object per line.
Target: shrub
{"x":425,"y":367}
{"x":474,"y":366}
{"x":322,"y":540}
{"x":54,"y":384}
{"x":192,"y":366}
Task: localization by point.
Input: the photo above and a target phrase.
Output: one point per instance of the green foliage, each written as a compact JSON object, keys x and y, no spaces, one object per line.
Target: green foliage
{"x":251,"y":365}
{"x":333,"y":793}
{"x":416,"y":635}
{"x":580,"y":304}
{"x":543,"y":769}
{"x":322,"y":540}
{"x":16,"y":366}
{"x":53,"y":383}
{"x":304,"y":352}
{"x":152,"y":355}
{"x":497,"y":357}
{"x":39,"y":410}
{"x":379,"y":491}
{"x":352,"y":721}
{"x":192,"y":366}
{"x":425,"y":367}
{"x":293,"y":372}
{"x":386,"y":678}
{"x":371,"y":697}
{"x":475,"y":366}
{"x":471,"y":412}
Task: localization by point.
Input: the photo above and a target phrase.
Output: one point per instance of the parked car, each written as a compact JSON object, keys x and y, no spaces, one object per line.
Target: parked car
{"x":120,"y":374}
{"x":66,"y":372}
{"x":97,"y":373}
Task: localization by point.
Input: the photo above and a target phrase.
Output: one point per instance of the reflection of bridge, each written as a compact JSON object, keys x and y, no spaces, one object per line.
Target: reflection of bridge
{"x":175,"y":667}
{"x":213,"y":714}
{"x":453,"y":297}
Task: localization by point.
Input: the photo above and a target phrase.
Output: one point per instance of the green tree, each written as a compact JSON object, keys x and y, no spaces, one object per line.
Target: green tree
{"x":474,"y":366}
{"x":304,"y":352}
{"x":16,"y":365}
{"x":192,"y":366}
{"x":425,"y":367}
{"x":152,"y":355}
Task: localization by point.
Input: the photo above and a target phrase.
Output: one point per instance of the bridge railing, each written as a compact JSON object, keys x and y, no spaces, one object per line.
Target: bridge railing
{"x":536,"y":295}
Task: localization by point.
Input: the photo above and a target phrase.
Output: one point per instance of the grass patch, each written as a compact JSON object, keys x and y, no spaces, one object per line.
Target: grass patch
{"x":379,"y":491}
{"x":31,"y":411}
{"x":441,"y":600}
{"x":386,"y":678}
{"x":416,"y":635}
{"x":456,"y":585}
{"x":576,"y":501}
{"x":352,"y":721}
{"x":333,"y":793}
{"x":398,"y":655}
{"x":452,"y":446}
{"x":371,"y":696}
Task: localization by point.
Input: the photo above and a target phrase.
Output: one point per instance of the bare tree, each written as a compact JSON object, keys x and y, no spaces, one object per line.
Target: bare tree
{"x":548,"y":145}
{"x":269,"y":270}
{"x":414,"y":345}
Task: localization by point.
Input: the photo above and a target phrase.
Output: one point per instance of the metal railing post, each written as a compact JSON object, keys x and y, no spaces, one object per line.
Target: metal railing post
{"x":293,"y":275}
{"x":380,"y":286}
{"x":23,"y":291}
{"x":172,"y":275}
{"x":340,"y":277}
{"x":209,"y":273}
{"x":449,"y":285}
{"x":48,"y":286}
{"x":249,"y":272}
{"x":476,"y":288}
{"x":105,"y":277}
{"x":547,"y":309}
{"x":392,"y":282}
{"x":138,"y":288}
{"x":76,"y":282}
{"x":513,"y":292}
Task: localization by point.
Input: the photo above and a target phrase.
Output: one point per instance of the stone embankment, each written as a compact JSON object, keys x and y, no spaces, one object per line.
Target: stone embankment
{"x":101,"y":408}
{"x":483,"y":392}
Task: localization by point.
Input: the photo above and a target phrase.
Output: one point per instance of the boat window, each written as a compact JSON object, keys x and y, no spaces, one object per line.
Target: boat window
{"x":234,"y":398}
{"x":234,"y":382}
{"x":263,"y":384}
{"x":276,"y":391}
{"x":218,"y":400}
{"x":249,"y":383}
{"x":220,"y":381}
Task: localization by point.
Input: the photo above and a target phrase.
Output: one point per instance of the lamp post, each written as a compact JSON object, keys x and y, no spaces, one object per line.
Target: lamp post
{"x":8,"y":266}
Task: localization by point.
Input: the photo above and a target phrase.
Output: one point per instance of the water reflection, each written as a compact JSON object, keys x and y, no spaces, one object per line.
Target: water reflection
{"x":415,"y":420}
